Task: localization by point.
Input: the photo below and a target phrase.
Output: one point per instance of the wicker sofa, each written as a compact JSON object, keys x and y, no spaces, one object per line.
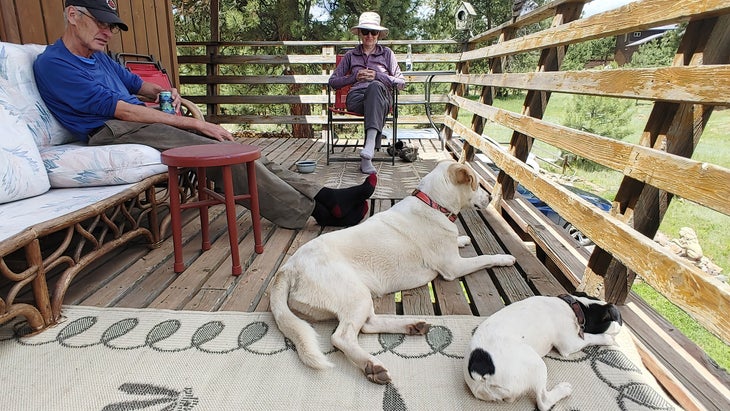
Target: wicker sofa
{"x":62,"y":205}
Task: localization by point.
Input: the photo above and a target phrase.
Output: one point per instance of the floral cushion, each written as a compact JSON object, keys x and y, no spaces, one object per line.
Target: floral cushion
{"x":22,"y":174}
{"x":20,"y":98}
{"x":79,"y":165}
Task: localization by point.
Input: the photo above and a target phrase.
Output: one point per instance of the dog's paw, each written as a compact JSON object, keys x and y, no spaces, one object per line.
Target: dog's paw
{"x":463,"y":241}
{"x":563,"y":389}
{"x":419,"y":328}
{"x":504,"y":259}
{"x":547,"y":399}
{"x":377,"y":373}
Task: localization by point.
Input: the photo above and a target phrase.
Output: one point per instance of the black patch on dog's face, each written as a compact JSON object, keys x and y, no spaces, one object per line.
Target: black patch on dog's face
{"x":600,"y":316}
{"x":480,"y":362}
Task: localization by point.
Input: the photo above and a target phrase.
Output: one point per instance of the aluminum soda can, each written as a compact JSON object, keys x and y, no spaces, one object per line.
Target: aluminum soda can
{"x":166,"y":102}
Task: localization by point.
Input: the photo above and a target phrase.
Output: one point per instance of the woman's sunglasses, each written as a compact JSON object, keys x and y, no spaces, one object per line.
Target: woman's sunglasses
{"x":366,"y":32}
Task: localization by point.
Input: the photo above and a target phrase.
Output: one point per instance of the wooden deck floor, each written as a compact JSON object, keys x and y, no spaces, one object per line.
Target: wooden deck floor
{"x":140,"y":277}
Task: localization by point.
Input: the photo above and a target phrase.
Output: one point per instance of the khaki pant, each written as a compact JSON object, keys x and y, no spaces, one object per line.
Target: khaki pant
{"x":285,"y":198}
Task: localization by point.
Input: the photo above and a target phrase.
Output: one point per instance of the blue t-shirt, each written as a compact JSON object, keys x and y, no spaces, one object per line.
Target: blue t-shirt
{"x":82,"y":93}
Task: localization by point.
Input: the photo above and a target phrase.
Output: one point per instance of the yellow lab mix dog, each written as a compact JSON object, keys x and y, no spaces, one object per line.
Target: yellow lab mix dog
{"x":337,"y":274}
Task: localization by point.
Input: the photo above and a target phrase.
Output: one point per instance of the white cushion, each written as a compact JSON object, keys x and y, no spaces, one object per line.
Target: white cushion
{"x":22,"y":173}
{"x":20,"y":98}
{"x":55,"y":203}
{"x":79,"y":165}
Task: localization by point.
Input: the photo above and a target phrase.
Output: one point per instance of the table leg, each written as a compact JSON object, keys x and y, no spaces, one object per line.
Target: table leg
{"x":231,"y":218}
{"x":175,"y":218}
{"x":253,"y":191}
{"x":203,"y":209}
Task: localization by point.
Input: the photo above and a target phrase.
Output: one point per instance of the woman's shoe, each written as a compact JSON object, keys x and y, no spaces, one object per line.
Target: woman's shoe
{"x":409,"y":154}
{"x":398,"y":147}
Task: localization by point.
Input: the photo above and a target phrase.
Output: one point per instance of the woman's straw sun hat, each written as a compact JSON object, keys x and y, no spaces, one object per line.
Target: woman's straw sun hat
{"x":370,"y":20}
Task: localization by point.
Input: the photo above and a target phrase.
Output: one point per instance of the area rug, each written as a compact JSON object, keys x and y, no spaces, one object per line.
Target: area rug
{"x":394,"y":181}
{"x":129,"y":359}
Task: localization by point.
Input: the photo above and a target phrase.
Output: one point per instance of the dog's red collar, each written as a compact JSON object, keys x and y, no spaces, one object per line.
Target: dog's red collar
{"x":575,"y":305}
{"x":426,"y":199}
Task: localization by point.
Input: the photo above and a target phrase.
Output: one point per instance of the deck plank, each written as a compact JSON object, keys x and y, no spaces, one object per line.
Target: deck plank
{"x":253,"y":283}
{"x":483,"y":293}
{"x":535,"y":271}
{"x":417,"y":301}
{"x":512,"y":284}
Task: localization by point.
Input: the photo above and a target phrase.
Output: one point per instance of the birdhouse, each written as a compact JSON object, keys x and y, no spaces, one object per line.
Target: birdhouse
{"x":464,"y":16}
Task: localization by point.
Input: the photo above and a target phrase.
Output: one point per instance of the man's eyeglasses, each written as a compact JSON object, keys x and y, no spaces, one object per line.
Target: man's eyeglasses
{"x":367,"y":32}
{"x":102,"y":26}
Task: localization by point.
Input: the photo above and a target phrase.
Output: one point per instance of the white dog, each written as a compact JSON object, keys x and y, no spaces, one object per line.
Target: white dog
{"x":337,"y":274}
{"x":504,"y":359}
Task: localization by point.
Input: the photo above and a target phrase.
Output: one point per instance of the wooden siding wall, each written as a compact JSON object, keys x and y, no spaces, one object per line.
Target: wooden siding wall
{"x":151,"y":29}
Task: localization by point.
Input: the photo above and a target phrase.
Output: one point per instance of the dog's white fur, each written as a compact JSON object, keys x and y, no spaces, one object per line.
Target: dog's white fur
{"x":519,"y":335}
{"x":337,"y":274}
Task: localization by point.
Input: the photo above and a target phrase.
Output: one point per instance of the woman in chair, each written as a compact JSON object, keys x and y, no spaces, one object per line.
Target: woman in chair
{"x":373,"y":71}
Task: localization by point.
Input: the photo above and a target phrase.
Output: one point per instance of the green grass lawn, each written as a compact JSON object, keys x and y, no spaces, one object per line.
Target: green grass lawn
{"x":709,"y":225}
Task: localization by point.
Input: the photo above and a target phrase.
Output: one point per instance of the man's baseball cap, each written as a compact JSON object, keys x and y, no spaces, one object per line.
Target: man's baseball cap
{"x":103,"y":10}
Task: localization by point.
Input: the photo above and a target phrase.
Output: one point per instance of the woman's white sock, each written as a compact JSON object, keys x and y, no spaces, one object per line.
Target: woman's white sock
{"x":368,"y":152}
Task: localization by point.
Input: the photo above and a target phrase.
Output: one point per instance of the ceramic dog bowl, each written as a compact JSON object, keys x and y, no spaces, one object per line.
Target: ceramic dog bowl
{"x":306,"y":166}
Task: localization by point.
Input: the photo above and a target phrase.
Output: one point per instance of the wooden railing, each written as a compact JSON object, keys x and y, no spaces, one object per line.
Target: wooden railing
{"x":656,"y":169}
{"x":296,"y":71}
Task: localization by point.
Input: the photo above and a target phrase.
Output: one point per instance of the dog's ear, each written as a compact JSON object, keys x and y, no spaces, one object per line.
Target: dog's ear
{"x":462,"y":174}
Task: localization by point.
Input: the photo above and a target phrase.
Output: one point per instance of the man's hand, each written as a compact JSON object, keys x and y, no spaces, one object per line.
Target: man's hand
{"x":152,"y":92}
{"x":215,"y":132}
{"x":176,"y":99}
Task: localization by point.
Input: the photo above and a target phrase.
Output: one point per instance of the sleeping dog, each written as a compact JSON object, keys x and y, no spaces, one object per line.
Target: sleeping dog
{"x":504,"y":359}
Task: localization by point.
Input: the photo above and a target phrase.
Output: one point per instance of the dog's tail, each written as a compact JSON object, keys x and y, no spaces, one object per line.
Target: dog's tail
{"x":294,"y":328}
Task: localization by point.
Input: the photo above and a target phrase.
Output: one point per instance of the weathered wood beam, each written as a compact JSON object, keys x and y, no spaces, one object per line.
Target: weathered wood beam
{"x":663,"y":170}
{"x":621,"y":20}
{"x":673,"y":276}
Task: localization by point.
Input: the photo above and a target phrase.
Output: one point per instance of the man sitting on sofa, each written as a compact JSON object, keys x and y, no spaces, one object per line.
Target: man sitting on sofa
{"x":95,"y":98}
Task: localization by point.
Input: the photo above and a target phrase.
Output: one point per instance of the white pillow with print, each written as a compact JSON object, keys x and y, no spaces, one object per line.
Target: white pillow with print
{"x":79,"y":165}
{"x":20,"y":97}
{"x":22,"y":173}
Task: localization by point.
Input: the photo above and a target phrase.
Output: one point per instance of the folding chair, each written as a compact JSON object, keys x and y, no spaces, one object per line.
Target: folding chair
{"x":337,"y":113}
{"x":152,"y":71}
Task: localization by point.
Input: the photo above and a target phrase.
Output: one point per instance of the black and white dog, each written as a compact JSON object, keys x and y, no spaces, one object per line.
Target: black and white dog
{"x":504,"y":360}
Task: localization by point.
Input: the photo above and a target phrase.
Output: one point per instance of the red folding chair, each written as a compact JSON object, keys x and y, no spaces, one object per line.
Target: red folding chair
{"x":152,"y":71}
{"x":337,"y":113}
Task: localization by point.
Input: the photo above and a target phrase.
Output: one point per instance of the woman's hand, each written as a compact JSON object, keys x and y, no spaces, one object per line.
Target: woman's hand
{"x":365,"y":75}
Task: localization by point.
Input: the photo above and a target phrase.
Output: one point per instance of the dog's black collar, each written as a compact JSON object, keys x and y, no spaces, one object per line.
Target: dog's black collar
{"x":426,"y":199}
{"x":575,"y":305}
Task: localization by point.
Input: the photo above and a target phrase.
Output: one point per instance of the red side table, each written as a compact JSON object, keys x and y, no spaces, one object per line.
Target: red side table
{"x":213,"y":155}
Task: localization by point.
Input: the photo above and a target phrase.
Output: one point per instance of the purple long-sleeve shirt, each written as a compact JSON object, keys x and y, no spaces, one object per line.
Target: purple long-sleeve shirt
{"x":382,"y":60}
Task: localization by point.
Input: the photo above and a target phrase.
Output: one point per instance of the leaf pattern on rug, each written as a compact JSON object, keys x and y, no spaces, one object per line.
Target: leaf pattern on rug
{"x":171,"y":399}
{"x":606,"y":376}
{"x":611,"y":367}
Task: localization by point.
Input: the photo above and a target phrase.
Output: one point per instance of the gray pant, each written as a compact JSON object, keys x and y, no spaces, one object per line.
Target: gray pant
{"x":285,"y":198}
{"x":373,"y":102}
